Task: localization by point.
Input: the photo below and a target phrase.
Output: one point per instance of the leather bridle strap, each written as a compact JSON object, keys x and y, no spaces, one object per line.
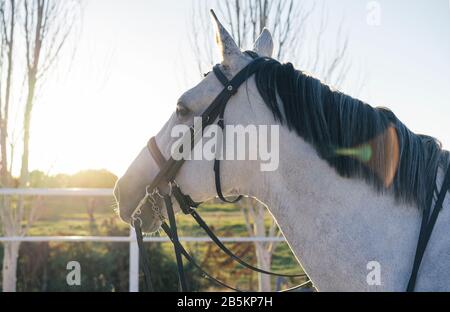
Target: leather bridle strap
{"x":156,"y":152}
{"x":144,"y":258}
{"x":224,"y":80}
{"x":176,"y":243}
{"x":170,"y":168}
{"x":220,"y":75}
{"x":233,"y":256}
{"x":160,"y":160}
{"x":187,"y":204}
{"x":191,"y":260}
{"x":426,"y":229}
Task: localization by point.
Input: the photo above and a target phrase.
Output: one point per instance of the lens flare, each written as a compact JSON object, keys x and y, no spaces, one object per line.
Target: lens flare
{"x":381,"y":154}
{"x":362,"y":153}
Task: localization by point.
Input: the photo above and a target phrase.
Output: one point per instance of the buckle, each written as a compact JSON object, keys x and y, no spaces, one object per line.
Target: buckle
{"x":173,"y":184}
{"x":232,"y":90}
{"x":184,"y":201}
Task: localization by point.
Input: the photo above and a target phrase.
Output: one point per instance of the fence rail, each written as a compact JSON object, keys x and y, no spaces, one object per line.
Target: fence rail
{"x":127,"y":239}
{"x":131,"y":239}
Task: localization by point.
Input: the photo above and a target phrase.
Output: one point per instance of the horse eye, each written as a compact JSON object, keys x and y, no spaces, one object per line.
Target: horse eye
{"x":182,"y":111}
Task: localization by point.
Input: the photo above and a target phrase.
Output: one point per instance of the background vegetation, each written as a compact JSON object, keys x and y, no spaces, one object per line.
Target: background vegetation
{"x":104,"y":266}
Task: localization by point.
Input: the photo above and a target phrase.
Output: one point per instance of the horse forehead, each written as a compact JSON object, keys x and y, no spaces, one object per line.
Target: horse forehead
{"x":205,"y":90}
{"x":209,"y":87}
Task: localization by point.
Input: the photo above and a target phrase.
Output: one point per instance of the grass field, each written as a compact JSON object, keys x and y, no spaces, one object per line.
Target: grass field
{"x":87,"y":216}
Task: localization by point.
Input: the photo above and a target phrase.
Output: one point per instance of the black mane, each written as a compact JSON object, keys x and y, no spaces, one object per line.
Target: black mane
{"x":328,"y":119}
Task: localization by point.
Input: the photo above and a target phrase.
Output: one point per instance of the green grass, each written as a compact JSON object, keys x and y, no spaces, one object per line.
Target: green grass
{"x":69,"y":216}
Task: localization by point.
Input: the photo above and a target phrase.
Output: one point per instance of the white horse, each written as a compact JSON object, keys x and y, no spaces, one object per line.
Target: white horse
{"x":352,"y":225}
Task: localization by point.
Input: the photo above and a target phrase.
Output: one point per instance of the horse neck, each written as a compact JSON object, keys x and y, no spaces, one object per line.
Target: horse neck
{"x":336,"y":226}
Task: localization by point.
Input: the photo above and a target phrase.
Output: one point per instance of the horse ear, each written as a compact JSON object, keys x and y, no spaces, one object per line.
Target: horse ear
{"x":264,"y":44}
{"x":225,"y":42}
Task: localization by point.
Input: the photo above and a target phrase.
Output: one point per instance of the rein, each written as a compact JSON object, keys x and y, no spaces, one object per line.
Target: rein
{"x":429,"y":218}
{"x":168,"y":171}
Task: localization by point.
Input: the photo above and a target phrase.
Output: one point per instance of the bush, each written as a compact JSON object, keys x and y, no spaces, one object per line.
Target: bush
{"x":104,"y":266}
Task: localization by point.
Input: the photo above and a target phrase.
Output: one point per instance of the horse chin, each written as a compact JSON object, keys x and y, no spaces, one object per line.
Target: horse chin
{"x":150,"y":222}
{"x":151,"y":226}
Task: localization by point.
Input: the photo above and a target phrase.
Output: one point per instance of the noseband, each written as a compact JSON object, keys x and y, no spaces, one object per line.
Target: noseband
{"x":168,"y":171}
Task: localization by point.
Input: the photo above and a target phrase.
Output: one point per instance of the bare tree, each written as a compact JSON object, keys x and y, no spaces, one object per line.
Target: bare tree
{"x":255,"y":217}
{"x":34,"y":31}
{"x":298,"y":39}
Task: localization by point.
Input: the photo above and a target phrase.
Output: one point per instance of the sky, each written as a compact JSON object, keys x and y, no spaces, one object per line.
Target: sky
{"x":133,"y":60}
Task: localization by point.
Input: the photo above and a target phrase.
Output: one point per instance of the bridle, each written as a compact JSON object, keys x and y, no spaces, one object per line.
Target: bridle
{"x":168,"y":171}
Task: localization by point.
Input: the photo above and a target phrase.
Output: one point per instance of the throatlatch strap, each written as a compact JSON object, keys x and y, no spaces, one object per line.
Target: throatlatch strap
{"x":219,"y":186}
{"x":220,"y":123}
{"x":426,"y":230}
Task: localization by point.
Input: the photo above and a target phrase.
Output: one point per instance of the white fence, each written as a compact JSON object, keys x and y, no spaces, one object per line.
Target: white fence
{"x":131,"y":239}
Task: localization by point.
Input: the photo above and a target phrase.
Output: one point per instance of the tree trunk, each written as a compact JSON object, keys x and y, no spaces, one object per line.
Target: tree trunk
{"x":254,"y":215}
{"x":4,"y":119}
{"x":12,"y":248}
{"x":10,"y":257}
{"x":26,"y":129}
{"x":43,"y":21}
{"x":264,"y":260}
{"x":263,"y":255}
